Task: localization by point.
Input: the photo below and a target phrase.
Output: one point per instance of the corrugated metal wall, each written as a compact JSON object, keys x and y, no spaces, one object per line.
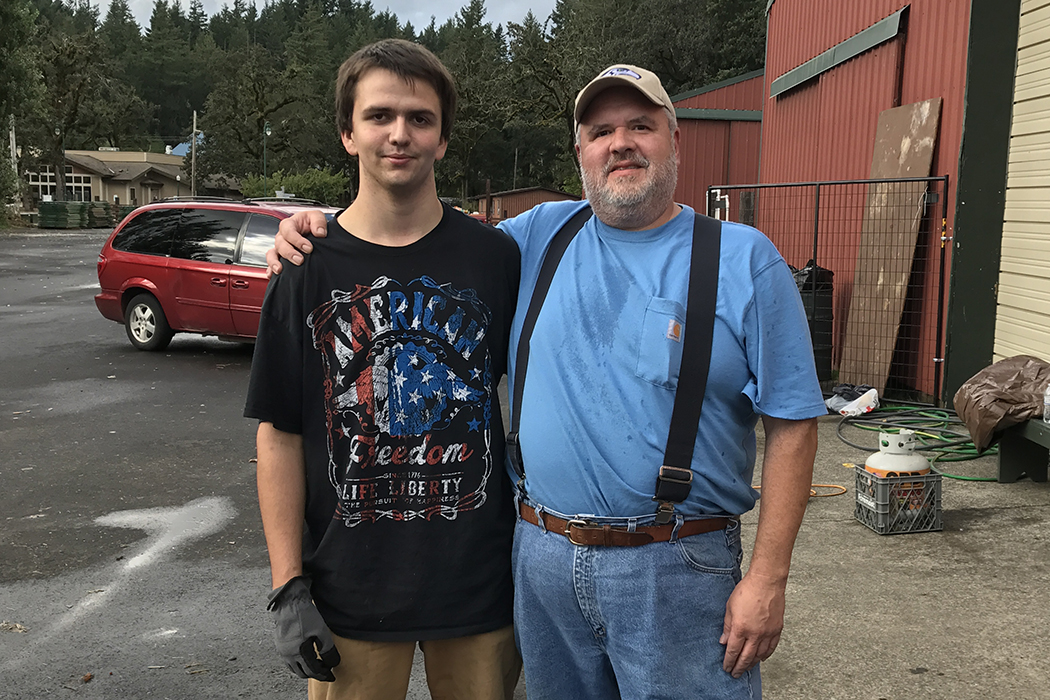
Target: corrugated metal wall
{"x":825,"y":129}
{"x":508,"y":204}
{"x":746,"y":94}
{"x":1022,"y":324}
{"x":719,"y":152}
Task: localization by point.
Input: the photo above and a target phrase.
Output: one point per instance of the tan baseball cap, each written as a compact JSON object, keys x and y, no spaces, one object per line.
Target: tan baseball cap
{"x":640,"y":79}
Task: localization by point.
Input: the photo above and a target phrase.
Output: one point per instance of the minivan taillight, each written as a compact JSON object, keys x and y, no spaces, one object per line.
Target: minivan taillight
{"x":101,"y":264}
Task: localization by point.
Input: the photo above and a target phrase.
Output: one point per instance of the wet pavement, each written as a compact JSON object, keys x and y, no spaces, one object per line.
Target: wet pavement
{"x":132,"y":549}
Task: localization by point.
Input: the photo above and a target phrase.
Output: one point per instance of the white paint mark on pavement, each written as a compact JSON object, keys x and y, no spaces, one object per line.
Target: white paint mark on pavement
{"x":168,"y":528}
{"x":160,"y":634}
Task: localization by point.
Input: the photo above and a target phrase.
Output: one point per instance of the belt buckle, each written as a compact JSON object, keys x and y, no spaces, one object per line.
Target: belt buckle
{"x":581,"y":524}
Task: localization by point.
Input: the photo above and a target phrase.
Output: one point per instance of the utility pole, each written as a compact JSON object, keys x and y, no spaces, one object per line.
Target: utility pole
{"x":193,"y":158}
{"x":266,"y":132}
{"x":488,"y":201}
{"x":60,"y":165}
{"x":514,"y":179}
{"x":14,"y":148}
{"x":14,"y":163}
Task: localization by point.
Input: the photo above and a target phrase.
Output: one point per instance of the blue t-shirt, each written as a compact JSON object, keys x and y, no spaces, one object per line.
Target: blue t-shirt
{"x":606,"y":352}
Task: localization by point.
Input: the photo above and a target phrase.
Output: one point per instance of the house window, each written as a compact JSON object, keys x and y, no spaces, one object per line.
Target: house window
{"x":43,"y":181}
{"x":78,"y":187}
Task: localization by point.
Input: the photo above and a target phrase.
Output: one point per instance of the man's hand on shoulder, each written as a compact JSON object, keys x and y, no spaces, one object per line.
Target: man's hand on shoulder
{"x":291,"y":242}
{"x":753,"y":623}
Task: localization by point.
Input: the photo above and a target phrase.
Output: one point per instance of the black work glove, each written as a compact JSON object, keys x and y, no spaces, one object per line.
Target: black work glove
{"x":300,"y":632}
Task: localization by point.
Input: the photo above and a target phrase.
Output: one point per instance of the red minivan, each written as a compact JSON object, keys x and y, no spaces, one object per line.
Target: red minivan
{"x":194,"y":266}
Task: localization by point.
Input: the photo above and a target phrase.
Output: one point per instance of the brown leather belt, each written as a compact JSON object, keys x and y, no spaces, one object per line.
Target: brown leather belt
{"x":583,"y":533}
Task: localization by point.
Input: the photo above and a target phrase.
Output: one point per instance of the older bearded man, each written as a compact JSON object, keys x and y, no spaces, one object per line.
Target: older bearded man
{"x":653,"y":341}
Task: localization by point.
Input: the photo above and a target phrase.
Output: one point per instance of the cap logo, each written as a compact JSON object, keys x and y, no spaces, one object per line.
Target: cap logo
{"x":622,"y":71}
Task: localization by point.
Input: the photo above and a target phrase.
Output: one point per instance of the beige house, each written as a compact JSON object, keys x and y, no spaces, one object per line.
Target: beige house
{"x":1022,"y":324}
{"x":120,"y":177}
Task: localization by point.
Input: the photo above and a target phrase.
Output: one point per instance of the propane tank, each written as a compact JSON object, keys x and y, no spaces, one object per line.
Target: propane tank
{"x":897,"y":456}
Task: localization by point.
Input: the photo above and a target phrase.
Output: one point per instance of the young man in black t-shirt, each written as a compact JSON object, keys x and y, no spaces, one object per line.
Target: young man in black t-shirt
{"x":387,"y":511}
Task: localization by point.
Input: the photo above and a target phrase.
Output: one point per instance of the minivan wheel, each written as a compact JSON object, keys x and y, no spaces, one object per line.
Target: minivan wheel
{"x":146,"y":325}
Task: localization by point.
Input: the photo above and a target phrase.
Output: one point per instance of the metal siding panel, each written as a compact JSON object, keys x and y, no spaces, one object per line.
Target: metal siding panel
{"x":1033,"y":5}
{"x":704,"y":152}
{"x":1023,"y":301}
{"x":1022,"y":333}
{"x":742,"y":95}
{"x":745,"y":146}
{"x":853,"y":96}
{"x":1030,"y":66}
{"x":788,"y":137}
{"x":835,"y":116}
{"x":1034,"y":26}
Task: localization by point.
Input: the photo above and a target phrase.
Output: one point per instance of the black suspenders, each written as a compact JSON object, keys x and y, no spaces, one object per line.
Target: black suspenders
{"x":675,"y":476}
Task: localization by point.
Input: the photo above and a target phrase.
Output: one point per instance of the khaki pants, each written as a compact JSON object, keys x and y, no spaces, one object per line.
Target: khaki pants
{"x":480,"y":667}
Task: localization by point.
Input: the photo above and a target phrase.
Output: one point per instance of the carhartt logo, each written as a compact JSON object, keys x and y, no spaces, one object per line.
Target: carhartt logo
{"x":674,"y":330}
{"x":622,"y":71}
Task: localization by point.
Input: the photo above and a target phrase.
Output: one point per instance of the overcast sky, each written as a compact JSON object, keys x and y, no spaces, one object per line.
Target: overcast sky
{"x":418,"y":12}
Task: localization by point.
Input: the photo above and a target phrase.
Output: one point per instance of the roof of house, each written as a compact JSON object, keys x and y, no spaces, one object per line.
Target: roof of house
{"x":90,"y":164}
{"x":135,"y":166}
{"x":719,"y":85}
{"x":125,"y":172}
{"x":116,"y":171}
{"x":525,"y":189}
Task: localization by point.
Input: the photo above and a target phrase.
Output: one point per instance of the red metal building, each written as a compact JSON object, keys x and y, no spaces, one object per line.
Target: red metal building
{"x":721,"y":126}
{"x":510,"y":203}
{"x":823,"y":128}
{"x":831,"y":69}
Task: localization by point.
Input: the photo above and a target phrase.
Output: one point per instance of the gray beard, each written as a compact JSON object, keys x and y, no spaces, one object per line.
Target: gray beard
{"x":637,"y":209}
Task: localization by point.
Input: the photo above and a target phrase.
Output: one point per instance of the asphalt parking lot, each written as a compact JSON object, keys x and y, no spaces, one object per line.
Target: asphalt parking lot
{"x":131,"y":547}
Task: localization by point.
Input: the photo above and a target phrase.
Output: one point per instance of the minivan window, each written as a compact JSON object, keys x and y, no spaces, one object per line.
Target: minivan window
{"x":150,"y":232}
{"x":258,"y":238}
{"x":207,"y":235}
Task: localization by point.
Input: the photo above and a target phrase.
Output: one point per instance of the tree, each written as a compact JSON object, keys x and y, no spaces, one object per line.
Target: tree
{"x":229,"y":27}
{"x":197,"y":22}
{"x":476,"y":56}
{"x":110,"y":84}
{"x":740,"y":45}
{"x":19,"y":84}
{"x":320,"y":185}
{"x":236,"y":112}
{"x":541,"y":109}
{"x":163,"y":71}
{"x":120,"y":33}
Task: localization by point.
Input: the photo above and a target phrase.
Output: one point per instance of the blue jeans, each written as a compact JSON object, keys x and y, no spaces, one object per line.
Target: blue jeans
{"x":626,"y":622}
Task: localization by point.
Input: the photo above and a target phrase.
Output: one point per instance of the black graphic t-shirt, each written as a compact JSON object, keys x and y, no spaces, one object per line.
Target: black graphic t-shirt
{"x":386,"y":361}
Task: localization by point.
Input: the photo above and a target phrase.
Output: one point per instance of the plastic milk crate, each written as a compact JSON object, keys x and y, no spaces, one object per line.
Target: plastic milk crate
{"x":898,"y":504}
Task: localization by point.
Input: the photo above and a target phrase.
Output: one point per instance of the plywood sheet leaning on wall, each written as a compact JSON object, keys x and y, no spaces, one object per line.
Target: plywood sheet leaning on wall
{"x":904,"y":146}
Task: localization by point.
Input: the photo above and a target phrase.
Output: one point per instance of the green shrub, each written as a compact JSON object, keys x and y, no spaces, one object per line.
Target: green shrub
{"x":322,"y":185}
{"x":10,"y":193}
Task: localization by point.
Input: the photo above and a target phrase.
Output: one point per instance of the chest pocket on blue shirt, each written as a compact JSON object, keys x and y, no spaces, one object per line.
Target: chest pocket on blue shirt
{"x":660,"y":345}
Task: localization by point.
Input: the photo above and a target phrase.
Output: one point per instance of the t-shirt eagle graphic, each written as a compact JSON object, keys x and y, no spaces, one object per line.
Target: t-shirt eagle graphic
{"x":407,"y":398}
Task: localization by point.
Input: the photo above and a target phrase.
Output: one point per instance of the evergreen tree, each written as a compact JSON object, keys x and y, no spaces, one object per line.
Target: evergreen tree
{"x":163,"y":71}
{"x":476,"y":56}
{"x":197,"y":22}
{"x":121,"y":33}
{"x":18,"y":57}
{"x":74,"y":80}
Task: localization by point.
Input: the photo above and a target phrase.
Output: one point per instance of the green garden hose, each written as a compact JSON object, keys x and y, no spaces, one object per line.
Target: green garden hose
{"x":938,"y":430}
